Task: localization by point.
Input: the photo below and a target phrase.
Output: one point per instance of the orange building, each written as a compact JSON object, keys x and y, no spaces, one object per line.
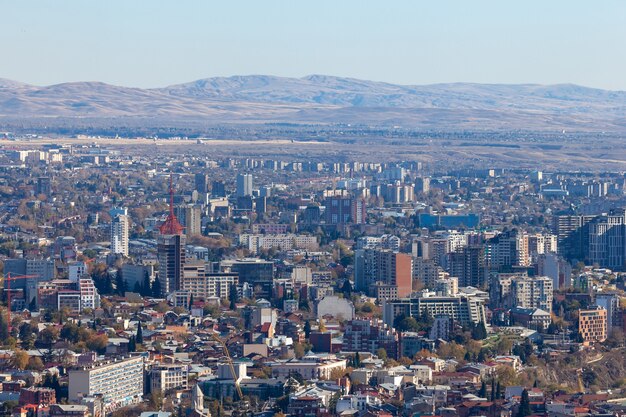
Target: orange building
{"x":592,"y":325}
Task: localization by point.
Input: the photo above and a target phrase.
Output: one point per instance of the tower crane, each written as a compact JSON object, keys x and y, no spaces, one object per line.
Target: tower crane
{"x":230,"y":364}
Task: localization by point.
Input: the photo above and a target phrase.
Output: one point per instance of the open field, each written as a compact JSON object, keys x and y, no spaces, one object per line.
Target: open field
{"x":609,"y":154}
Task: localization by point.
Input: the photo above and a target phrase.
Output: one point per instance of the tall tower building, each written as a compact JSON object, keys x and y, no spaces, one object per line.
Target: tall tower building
{"x":119,"y":231}
{"x":44,"y":186}
{"x":218,"y":189}
{"x":244,"y":185}
{"x":383,"y":273}
{"x":171,"y":251}
{"x":422,"y":185}
{"x":201,"y":183}
{"x":190,"y":216}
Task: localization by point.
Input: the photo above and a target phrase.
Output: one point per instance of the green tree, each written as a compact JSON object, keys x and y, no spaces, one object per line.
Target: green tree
{"x":307,"y":329}
{"x":233,"y":296}
{"x":346,"y":289}
{"x":132,"y":345}
{"x":146,"y":287}
{"x":482,"y":393}
{"x":408,"y":324}
{"x":156,"y":288}
{"x":332,"y":403}
{"x":120,"y":283}
{"x":479,"y":332}
{"x":139,"y":335}
{"x":69,"y":332}
{"x":524,"y":406}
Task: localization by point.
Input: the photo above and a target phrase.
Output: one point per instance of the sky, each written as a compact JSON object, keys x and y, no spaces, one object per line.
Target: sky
{"x":155,"y":43}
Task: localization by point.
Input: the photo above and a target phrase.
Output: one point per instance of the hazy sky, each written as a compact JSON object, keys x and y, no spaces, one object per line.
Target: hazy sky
{"x":156,"y":43}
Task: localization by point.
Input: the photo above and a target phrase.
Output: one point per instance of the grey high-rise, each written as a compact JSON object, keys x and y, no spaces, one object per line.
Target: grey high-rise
{"x":244,"y":185}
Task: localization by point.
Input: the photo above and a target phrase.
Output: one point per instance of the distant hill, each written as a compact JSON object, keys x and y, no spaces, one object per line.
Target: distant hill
{"x":326,"y":99}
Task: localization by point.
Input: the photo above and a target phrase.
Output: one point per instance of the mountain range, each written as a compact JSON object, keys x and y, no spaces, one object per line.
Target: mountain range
{"x":321,"y":99}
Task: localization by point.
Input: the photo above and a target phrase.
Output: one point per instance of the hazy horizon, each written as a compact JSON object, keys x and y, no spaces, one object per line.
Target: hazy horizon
{"x":150,"y":44}
{"x":305,"y":76}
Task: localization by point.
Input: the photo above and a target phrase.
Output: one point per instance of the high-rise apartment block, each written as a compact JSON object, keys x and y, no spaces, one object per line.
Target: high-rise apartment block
{"x":422,"y":185}
{"x":244,"y":185}
{"x":190,"y":216}
{"x":383,"y":273}
{"x":201,"y":182}
{"x":599,"y":239}
{"x":120,"y":224}
{"x":44,"y":186}
{"x":119,"y":382}
{"x":345,"y":210}
{"x":531,"y":292}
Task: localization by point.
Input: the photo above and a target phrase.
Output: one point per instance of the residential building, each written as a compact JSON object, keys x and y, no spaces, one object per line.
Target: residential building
{"x":379,"y":270}
{"x":308,"y":368}
{"x":120,"y":225}
{"x":531,"y":292}
{"x":77,"y":270}
{"x":464,"y":310}
{"x":611,"y":303}
{"x":203,"y":284}
{"x":592,"y":325}
{"x":345,"y":210}
{"x":368,"y":336}
{"x":201,"y":182}
{"x":166,"y":377}
{"x":120,"y":382}
{"x":469,"y":266}
{"x":244,"y":185}
{"x":89,"y":296}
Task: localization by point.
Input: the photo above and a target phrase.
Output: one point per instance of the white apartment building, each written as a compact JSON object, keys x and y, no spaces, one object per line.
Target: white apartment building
{"x":285,"y":242}
{"x":119,"y":382}
{"x":531,"y":292}
{"x":119,"y":234}
{"x":463,"y":309}
{"x":309,"y":369}
{"x":89,"y":297}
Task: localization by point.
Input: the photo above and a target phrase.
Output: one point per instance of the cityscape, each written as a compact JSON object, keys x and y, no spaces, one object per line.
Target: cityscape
{"x":310,"y":246}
